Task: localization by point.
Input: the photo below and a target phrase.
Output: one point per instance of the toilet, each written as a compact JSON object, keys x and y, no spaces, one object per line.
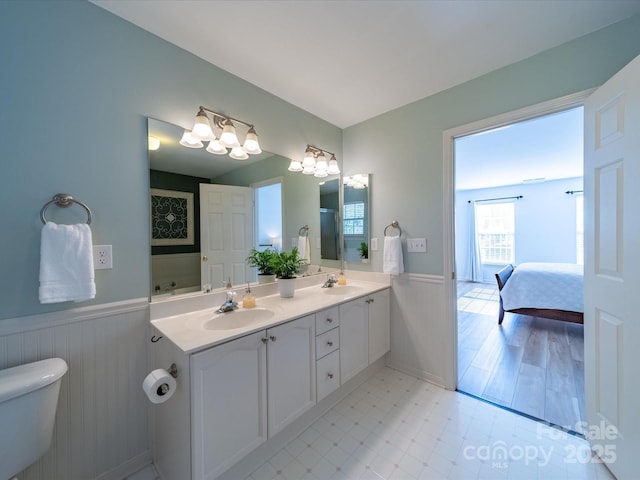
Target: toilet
{"x":28,"y":403}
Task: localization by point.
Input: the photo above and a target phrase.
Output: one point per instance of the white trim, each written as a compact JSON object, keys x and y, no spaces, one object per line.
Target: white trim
{"x":448,"y":138}
{"x":419,"y":277}
{"x":29,"y":323}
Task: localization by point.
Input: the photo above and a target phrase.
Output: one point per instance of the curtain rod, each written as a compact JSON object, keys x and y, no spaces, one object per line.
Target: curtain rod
{"x":493,"y":199}
{"x":571,"y":192}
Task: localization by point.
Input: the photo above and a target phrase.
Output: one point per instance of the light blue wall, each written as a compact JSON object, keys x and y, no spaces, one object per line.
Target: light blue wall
{"x":402,"y":149}
{"x":545,"y":223}
{"x":78,"y":84}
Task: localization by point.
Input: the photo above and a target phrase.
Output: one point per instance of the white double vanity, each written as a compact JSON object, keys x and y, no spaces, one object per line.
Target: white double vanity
{"x":250,"y":380}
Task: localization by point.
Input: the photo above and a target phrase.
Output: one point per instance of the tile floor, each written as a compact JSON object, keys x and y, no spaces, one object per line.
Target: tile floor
{"x":395,"y":427}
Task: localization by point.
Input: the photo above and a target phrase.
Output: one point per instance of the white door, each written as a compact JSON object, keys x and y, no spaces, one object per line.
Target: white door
{"x":291,"y":360}
{"x":354,"y":339}
{"x":612,"y":270}
{"x":226,"y":234}
{"x":229,"y":404}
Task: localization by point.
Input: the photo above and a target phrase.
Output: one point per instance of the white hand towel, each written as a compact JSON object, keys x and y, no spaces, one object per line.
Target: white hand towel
{"x":392,"y":261}
{"x":304,"y":248}
{"x":66,"y":263}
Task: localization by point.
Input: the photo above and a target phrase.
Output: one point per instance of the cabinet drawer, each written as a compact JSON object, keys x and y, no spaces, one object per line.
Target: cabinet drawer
{"x":327,"y":342}
{"x":328,"y":374}
{"x":327,"y":319}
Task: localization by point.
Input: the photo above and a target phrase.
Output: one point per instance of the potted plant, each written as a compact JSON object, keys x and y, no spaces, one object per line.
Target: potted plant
{"x":286,"y":265}
{"x":363,"y":250}
{"x":263,"y":260}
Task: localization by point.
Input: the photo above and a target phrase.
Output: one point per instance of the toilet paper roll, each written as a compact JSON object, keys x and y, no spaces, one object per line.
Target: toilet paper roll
{"x":159,"y":386}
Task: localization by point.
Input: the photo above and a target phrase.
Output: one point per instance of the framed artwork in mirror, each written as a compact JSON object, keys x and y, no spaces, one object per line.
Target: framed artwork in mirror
{"x":171,"y":217}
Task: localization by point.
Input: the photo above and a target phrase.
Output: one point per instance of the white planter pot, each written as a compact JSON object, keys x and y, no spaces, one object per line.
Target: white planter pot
{"x":264,"y":278}
{"x":286,"y":287}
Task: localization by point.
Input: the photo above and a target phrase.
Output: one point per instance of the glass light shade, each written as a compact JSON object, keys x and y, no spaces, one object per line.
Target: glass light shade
{"x":321,"y":162}
{"x":308,"y":170}
{"x":190,"y":141}
{"x":202,"y":128}
{"x":333,"y":169}
{"x":295,"y":166}
{"x":154,"y":143}
{"x":251,"y":144}
{"x":216,"y":147}
{"x":228,"y":136}
{"x":238,"y":153}
{"x":320,"y":173}
{"x":309,"y":159}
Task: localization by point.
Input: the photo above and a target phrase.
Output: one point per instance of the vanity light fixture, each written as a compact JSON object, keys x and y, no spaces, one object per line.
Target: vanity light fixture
{"x":357,"y":181}
{"x":315,"y":163}
{"x":227,"y":142}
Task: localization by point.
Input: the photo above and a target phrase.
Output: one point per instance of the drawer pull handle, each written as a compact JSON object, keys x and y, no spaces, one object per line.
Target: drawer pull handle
{"x":329,"y":320}
{"x":330,"y":375}
{"x":264,"y":340}
{"x":330,"y":343}
{"x":273,"y":338}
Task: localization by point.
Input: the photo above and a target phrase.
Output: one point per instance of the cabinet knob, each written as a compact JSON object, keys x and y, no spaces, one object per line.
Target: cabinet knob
{"x":329,"y":320}
{"x":273,"y":338}
{"x":264,"y":340}
{"x":330,"y":375}
{"x":330,"y":343}
{"x":205,"y":258}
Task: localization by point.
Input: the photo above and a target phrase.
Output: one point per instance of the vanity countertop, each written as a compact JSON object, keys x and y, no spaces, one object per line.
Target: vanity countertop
{"x":187,"y":332}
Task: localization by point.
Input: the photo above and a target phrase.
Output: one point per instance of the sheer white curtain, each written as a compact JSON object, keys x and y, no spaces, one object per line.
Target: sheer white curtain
{"x":473,"y":255}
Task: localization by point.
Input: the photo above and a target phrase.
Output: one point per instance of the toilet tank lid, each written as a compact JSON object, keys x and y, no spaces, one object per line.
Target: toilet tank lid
{"x":16,"y":381}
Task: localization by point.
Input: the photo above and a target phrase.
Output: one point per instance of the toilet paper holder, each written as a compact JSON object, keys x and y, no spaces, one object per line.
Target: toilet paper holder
{"x":173,"y":370}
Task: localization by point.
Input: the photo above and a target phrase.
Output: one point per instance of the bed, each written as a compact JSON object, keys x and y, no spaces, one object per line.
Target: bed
{"x":547,"y":290}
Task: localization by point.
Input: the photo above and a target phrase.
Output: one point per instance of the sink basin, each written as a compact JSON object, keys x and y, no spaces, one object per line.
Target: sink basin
{"x":342,"y":290}
{"x":237,"y":319}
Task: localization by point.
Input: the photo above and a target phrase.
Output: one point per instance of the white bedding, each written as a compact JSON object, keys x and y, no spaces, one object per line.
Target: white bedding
{"x":557,"y":286}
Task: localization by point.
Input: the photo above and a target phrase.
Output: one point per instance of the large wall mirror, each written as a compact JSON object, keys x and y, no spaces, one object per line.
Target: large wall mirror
{"x":188,"y":235}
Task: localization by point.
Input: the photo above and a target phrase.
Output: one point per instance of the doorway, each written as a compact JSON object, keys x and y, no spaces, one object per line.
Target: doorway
{"x":507,"y":215}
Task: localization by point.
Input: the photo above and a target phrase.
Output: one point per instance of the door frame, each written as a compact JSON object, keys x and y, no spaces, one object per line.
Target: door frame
{"x":448,"y":158}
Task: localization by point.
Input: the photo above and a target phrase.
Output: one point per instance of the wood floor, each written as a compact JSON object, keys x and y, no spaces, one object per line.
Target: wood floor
{"x":529,"y":364}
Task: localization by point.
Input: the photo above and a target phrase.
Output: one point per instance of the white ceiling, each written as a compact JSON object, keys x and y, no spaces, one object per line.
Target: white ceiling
{"x":348,"y":61}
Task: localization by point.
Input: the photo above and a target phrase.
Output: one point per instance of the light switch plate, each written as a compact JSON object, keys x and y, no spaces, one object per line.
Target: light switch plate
{"x":417,"y":245}
{"x":374,"y":244}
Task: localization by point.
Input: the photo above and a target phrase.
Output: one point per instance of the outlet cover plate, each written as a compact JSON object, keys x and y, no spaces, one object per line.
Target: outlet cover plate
{"x":418,"y":245}
{"x":102,"y":257}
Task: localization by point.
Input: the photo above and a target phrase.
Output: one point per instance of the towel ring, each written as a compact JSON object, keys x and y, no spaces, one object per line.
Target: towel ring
{"x":63,"y":200}
{"x":304,"y":230}
{"x":395,"y":225}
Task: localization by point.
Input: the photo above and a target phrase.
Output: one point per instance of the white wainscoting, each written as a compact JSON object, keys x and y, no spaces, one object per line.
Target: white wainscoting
{"x":101,"y":422}
{"x":420,"y":334}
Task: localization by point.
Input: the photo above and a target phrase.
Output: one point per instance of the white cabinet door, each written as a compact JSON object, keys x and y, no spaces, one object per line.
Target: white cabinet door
{"x":291,"y":359}
{"x":354,"y":338}
{"x":379,"y":325}
{"x":229,"y":404}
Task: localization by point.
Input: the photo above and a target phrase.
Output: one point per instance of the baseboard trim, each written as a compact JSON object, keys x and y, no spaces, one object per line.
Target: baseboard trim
{"x":415,"y":372}
{"x":127,"y":468}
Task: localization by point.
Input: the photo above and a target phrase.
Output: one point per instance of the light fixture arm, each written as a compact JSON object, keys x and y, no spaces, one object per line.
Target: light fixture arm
{"x":317,"y":150}
{"x":224,"y":117}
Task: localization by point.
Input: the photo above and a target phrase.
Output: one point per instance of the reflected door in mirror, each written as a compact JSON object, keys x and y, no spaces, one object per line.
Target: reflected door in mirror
{"x":226,"y":222}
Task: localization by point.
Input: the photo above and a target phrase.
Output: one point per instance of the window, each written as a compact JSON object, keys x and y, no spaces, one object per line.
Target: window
{"x":354,"y":218}
{"x":579,"y":229}
{"x":495,"y":232}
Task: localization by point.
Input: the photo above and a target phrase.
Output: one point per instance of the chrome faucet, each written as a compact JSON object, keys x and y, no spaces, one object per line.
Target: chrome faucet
{"x":331,"y":281}
{"x":230,"y":304}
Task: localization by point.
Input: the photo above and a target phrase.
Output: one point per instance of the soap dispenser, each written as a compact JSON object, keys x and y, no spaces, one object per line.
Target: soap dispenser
{"x":248,"y":300}
{"x":342,"y":280}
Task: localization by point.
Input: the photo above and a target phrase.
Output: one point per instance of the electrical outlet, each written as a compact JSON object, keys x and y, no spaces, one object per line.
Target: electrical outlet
{"x":102,"y":257}
{"x":417,"y":245}
{"x":374,"y":244}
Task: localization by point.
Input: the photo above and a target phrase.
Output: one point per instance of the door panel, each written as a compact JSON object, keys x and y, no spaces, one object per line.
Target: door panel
{"x":612,"y":269}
